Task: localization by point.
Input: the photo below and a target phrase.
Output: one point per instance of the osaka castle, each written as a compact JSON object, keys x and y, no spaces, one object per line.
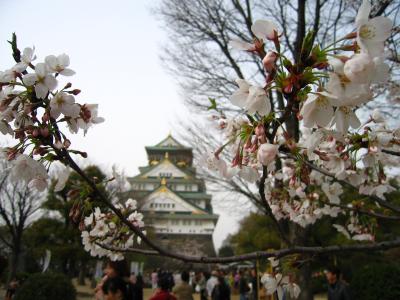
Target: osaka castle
{"x":174,"y":200}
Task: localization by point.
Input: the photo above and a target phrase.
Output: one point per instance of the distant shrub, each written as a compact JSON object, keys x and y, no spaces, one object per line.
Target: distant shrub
{"x":47,"y":286}
{"x":377,"y":281}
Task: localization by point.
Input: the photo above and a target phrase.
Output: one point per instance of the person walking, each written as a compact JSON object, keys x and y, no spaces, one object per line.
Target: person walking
{"x":201,"y":285}
{"x":221,"y":290}
{"x":114,"y":269}
{"x":137,"y":288}
{"x":254,"y":286}
{"x":183,"y":291}
{"x":115,"y":288}
{"x":162,"y":293}
{"x":211,"y":282}
{"x":243,"y":286}
{"x":154,"y":279}
{"x":337,"y":289}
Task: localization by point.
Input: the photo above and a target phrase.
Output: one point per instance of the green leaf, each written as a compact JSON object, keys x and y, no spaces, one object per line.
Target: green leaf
{"x":213,"y":105}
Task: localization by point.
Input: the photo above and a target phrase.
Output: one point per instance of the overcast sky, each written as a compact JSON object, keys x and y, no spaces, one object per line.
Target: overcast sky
{"x":114,"y":47}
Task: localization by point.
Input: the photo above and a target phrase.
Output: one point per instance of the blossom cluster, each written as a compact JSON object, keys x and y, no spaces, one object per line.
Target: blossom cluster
{"x":277,"y":284}
{"x":106,"y":229}
{"x":333,"y":150}
{"x":32,"y":109}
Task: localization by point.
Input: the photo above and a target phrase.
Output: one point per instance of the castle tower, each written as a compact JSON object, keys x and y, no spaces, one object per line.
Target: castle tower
{"x":174,"y":200}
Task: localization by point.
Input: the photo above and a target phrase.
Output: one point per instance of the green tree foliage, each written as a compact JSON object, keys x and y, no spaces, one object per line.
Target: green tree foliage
{"x":45,"y":287}
{"x":226,"y":250}
{"x":377,"y":281}
{"x":256,"y":232}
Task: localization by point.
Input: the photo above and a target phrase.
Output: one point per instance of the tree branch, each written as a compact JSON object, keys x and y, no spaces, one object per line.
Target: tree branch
{"x":266,"y":254}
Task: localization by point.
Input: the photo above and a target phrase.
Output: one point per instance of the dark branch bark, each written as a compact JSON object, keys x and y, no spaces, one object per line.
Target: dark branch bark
{"x":265,"y":254}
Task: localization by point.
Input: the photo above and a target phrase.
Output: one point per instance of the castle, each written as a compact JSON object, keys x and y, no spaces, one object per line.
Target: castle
{"x":174,"y":200}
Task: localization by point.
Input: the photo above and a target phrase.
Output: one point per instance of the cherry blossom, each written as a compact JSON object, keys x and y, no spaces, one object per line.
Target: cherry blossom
{"x":42,"y":79}
{"x":59,"y":64}
{"x":267,"y":153}
{"x":252,"y":98}
{"x":27,"y":58}
{"x":63,"y":103}
{"x":264,"y":29}
{"x":62,"y":178}
{"x":317,"y":110}
{"x":371,"y":33}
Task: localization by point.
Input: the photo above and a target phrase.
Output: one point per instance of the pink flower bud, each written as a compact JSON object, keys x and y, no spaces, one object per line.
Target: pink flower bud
{"x":260,"y":131}
{"x":269,"y":61}
{"x":35,"y":132}
{"x":58,"y":144}
{"x":45,"y":117}
{"x":67,"y":143}
{"x":44,"y":132}
{"x":267,"y":153}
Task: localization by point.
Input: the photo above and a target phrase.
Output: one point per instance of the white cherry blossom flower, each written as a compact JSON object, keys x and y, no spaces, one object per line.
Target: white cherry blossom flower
{"x":267,"y":153}
{"x":62,"y":178}
{"x":136,"y":218}
{"x":89,"y":116}
{"x":342,"y":230}
{"x":317,"y":110}
{"x":364,"y":69}
{"x":344,"y":118}
{"x":7,"y":76}
{"x":371,"y":33}
{"x":241,"y":45}
{"x":27,"y":169}
{"x":39,"y":182}
{"x":59,"y":64}
{"x":335,"y":164}
{"x":251,"y":98}
{"x":363,"y":237}
{"x":42,"y":79}
{"x":249,"y":174}
{"x":345,"y":93}
{"x":131,"y":204}
{"x":332,"y":191}
{"x":264,"y":29}
{"x":26,"y":59}
{"x":100,"y":229}
{"x":63,"y":103}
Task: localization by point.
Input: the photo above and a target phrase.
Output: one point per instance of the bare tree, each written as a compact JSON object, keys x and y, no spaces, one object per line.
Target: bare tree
{"x":198,"y":54}
{"x":19,"y":205}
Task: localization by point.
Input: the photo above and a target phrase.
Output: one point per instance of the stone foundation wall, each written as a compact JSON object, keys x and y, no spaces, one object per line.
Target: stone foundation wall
{"x":198,"y":245}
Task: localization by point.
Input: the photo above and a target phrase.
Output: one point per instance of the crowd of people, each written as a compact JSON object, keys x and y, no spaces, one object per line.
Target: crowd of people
{"x":215,"y":285}
{"x":118,"y":284}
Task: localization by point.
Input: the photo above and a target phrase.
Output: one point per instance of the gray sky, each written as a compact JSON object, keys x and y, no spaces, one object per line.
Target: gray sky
{"x":114,"y":47}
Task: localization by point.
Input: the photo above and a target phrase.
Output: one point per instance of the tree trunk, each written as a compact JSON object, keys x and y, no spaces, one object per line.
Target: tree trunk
{"x":14,"y":261}
{"x":299,"y":236}
{"x":82,"y":273}
{"x":304,"y":280}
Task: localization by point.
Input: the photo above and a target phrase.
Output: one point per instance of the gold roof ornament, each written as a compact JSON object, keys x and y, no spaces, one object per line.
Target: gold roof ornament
{"x":181,"y":163}
{"x":154,"y":162}
{"x":163,"y":181}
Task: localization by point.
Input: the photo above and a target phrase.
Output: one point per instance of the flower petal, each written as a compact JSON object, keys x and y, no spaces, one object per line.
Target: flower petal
{"x":264,"y":29}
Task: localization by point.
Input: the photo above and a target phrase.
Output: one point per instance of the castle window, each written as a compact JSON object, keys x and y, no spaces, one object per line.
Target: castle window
{"x":165,"y":175}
